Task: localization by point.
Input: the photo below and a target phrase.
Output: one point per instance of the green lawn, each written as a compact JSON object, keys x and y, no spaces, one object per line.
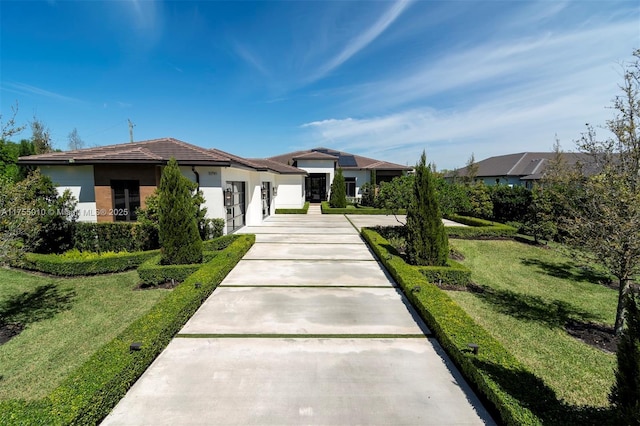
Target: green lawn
{"x":533,"y":292}
{"x":66,"y":320}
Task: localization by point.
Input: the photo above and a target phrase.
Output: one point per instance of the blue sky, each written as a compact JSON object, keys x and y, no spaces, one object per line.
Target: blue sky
{"x":384,"y":79}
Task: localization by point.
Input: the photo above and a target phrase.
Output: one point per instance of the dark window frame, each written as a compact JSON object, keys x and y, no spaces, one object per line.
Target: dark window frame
{"x":125,"y":197}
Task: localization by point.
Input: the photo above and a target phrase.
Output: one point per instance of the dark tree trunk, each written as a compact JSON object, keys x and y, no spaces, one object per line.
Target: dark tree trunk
{"x":622,"y":292}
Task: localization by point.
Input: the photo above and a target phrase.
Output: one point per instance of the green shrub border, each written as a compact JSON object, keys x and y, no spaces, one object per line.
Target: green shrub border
{"x":493,"y":369}
{"x":303,"y":210}
{"x":219,"y":243}
{"x":327,"y":209}
{"x":454,"y":274}
{"x":478,"y":228}
{"x":56,"y":265}
{"x":88,"y":394}
{"x":151,"y":272}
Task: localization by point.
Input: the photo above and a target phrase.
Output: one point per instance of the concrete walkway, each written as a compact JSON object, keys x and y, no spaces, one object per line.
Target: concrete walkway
{"x":307,"y":329}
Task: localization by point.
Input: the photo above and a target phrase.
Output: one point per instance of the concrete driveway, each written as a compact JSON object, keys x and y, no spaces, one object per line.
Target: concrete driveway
{"x":307,"y":329}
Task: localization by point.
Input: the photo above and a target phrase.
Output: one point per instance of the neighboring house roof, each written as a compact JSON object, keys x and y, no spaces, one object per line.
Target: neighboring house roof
{"x":156,"y":151}
{"x":523,"y":165}
{"x":345,"y":160}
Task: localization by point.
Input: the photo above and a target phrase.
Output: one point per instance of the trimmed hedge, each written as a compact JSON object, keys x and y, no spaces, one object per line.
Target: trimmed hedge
{"x":219,"y":243}
{"x":58,"y":265}
{"x":303,"y":210}
{"x":455,"y":274}
{"x":91,"y":391}
{"x":478,"y":228}
{"x":115,"y":236}
{"x":151,"y":272}
{"x":327,"y":209}
{"x":494,"y":372}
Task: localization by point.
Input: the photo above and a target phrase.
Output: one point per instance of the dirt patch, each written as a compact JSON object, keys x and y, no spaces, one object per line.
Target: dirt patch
{"x":596,"y":335}
{"x":168,"y":285}
{"x":456,"y":255}
{"x":9,"y":331}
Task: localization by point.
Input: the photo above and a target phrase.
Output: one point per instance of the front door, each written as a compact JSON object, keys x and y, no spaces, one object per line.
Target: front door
{"x":266,"y":198}
{"x":316,"y":186}
{"x":236,"y":206}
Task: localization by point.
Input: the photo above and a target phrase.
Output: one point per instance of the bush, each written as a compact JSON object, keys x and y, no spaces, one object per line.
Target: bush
{"x":85,"y":264}
{"x":494,"y":372}
{"x":211,"y":228}
{"x":179,"y":235}
{"x":303,"y":210}
{"x":338,"y":197}
{"x":327,"y":209}
{"x":478,"y":228}
{"x":91,"y":391}
{"x":219,"y":243}
{"x":115,"y":236}
{"x":510,"y":203}
{"x":454,"y":274}
{"x":152,"y":272}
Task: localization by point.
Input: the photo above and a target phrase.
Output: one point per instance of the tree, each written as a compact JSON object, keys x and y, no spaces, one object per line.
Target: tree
{"x":33,"y":217}
{"x":396,"y":195}
{"x":179,"y":237}
{"x":338,"y":198}
{"x":41,"y":137}
{"x":75,"y":141}
{"x":452,"y":197}
{"x":471,"y":171}
{"x":9,"y":129}
{"x":625,"y":393}
{"x":602,"y":215}
{"x":427,"y":242}
{"x":539,"y":221}
{"x":480,"y":204}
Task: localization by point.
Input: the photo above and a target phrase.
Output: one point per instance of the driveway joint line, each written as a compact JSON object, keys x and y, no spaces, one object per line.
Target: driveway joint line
{"x":300,"y":335}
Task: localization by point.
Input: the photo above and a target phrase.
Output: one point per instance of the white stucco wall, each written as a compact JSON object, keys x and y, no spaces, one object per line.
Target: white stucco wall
{"x":79,"y":180}
{"x":211,"y":187}
{"x":290,"y":192}
{"x":362,"y":177}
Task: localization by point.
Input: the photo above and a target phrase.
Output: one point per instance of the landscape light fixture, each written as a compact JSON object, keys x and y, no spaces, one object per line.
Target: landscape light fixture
{"x":474,"y":348}
{"x":198,"y":285}
{"x":275,"y":191}
{"x":135,"y":346}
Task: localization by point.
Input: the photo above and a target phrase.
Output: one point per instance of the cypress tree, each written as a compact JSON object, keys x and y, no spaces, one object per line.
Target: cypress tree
{"x":178,"y":229}
{"x":427,"y":242}
{"x":625,"y":393}
{"x":338,"y":197}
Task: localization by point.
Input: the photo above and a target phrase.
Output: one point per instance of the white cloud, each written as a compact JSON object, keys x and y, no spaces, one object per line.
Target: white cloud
{"x":494,"y":98}
{"x":26,"y":89}
{"x":361,"y":41}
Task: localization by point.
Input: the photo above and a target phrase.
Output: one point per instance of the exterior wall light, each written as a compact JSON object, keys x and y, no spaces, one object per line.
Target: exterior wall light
{"x":228,"y":197}
{"x":275,"y":191}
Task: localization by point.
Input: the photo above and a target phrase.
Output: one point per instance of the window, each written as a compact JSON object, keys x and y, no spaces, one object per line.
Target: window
{"x":350,"y":183}
{"x":126,"y":199}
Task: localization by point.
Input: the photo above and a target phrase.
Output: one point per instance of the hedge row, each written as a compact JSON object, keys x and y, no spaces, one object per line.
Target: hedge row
{"x":327,"y":209}
{"x":151,"y":272}
{"x":478,"y":228}
{"x":90,"y":392}
{"x":57,"y":265}
{"x":115,"y":236}
{"x":454,"y":274}
{"x":303,"y":210}
{"x":494,"y":372}
{"x":219,"y":243}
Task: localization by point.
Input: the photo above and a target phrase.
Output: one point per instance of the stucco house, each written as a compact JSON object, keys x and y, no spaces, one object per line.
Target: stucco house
{"x":321,"y":163}
{"x":110,"y":182}
{"x":523,"y":168}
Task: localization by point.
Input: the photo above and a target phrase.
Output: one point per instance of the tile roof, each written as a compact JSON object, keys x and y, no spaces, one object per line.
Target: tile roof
{"x":156,"y":151}
{"x":523,"y":164}
{"x":345,"y":160}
